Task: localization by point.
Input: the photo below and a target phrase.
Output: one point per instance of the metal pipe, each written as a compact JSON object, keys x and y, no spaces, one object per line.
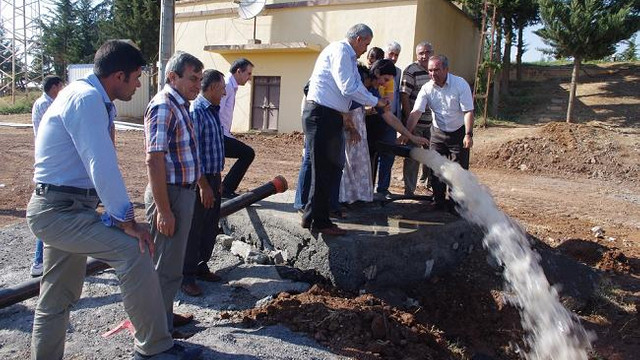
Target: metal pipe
{"x":28,"y":289}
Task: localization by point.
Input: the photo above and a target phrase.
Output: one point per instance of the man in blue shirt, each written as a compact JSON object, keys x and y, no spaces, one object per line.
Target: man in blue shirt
{"x":206,"y":213}
{"x":75,"y":167}
{"x":51,"y":86}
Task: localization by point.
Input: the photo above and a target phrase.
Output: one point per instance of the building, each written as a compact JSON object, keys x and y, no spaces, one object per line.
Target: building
{"x":290,"y":35}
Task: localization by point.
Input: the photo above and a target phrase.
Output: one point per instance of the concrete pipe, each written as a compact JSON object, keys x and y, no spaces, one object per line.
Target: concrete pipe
{"x":28,"y":289}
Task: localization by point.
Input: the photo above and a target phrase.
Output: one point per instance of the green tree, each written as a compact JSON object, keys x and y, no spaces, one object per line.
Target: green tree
{"x":585,"y":30}
{"x":139,"y":20}
{"x":631,"y":52}
{"x":58,"y":34}
{"x":89,"y":29}
{"x":526,"y":14}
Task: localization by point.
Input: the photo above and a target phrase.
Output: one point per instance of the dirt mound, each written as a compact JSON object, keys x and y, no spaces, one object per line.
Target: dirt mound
{"x":460,"y":316}
{"x":559,"y":148}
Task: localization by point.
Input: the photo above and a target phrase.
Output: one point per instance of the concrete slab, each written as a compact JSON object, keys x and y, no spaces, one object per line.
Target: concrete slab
{"x":388,"y":245}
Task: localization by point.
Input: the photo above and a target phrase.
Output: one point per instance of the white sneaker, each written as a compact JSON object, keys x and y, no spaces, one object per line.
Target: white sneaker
{"x":36,"y":270}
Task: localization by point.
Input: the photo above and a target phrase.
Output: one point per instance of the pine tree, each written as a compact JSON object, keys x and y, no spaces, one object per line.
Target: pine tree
{"x":585,"y":30}
{"x":139,"y":21}
{"x":631,"y":52}
{"x":58,"y":32}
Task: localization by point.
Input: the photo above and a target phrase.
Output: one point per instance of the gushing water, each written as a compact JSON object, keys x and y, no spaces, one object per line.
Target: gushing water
{"x":552,"y":331}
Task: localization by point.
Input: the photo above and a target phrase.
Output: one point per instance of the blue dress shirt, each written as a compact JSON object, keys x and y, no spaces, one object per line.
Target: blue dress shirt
{"x":210,"y":134}
{"x":73,"y":146}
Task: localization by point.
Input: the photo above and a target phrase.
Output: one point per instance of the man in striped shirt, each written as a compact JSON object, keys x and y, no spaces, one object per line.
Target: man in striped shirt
{"x":413,"y":77}
{"x":205,"y":112}
{"x":173,"y":167}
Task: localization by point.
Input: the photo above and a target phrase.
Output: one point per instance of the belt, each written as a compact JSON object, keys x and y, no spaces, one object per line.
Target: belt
{"x":42,"y":189}
{"x":191,"y":186}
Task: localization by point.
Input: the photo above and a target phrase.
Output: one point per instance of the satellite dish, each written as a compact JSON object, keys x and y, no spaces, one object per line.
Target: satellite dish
{"x":249,"y":9}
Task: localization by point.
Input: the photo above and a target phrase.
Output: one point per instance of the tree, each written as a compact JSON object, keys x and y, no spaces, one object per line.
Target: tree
{"x":585,"y":30}
{"x":526,"y":14}
{"x":58,"y":31}
{"x":631,"y":52}
{"x":139,"y":20}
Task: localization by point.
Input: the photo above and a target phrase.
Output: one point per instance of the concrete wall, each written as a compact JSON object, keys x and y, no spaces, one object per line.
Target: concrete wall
{"x":452,"y":34}
{"x":201,"y":23}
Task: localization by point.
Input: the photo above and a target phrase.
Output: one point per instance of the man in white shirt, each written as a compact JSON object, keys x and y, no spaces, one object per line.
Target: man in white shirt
{"x":239,"y":74}
{"x":334,"y":84}
{"x":451,"y":104}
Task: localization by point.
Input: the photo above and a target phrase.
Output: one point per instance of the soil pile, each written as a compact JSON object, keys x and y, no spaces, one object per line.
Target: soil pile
{"x":560,"y":148}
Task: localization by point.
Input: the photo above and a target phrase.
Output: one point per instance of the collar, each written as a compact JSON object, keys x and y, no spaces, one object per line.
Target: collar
{"x":95,"y":82}
{"x":203,"y":102}
{"x":173,"y":92}
{"x":47,"y":97}
{"x":233,"y":82}
{"x":350,"y":50}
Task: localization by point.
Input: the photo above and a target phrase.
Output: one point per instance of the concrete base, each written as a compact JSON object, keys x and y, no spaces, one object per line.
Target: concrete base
{"x":388,"y":245}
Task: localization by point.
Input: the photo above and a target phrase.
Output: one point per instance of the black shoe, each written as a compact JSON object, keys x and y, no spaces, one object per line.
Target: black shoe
{"x":177,"y":352}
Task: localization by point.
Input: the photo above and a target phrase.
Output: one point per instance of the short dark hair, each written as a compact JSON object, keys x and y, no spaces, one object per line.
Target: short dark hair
{"x":376,"y":52}
{"x":50,"y":81}
{"x":383,"y":67}
{"x":241,"y":64}
{"x":117,"y":55}
{"x":209,"y":77}
{"x":364,"y":72}
{"x":178,"y":63}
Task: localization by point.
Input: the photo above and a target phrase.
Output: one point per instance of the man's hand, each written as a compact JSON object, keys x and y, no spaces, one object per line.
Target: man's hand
{"x":402,"y":140}
{"x":382,"y":102}
{"x":207,"y":197}
{"x":166,"y":223}
{"x":140,"y":231}
{"x":467,"y":142}
{"x":419,"y":140}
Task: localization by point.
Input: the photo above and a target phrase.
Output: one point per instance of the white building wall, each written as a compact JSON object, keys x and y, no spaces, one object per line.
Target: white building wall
{"x":126,"y":109}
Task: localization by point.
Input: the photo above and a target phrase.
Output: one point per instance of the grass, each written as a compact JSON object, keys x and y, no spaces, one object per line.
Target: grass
{"x":22,"y":105}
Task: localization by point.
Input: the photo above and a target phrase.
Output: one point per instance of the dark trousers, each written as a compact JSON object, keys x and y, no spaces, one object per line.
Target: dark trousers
{"x":449,"y":145}
{"x":202,"y":235}
{"x":304,"y":183}
{"x":323,"y":129}
{"x":236,"y":149}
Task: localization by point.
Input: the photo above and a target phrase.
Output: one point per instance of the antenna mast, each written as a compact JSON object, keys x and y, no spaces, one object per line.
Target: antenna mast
{"x":21,"y":57}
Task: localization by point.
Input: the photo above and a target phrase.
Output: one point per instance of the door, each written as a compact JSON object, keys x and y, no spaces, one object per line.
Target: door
{"x":266,"y":103}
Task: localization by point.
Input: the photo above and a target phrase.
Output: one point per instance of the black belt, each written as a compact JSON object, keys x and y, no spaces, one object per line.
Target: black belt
{"x":42,"y":189}
{"x":191,"y":186}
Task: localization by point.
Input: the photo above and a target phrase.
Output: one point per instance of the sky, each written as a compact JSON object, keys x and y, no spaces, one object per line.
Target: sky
{"x":533,"y":42}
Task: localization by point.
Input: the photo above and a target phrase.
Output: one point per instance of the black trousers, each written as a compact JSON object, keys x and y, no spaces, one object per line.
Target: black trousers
{"x":323,"y":130}
{"x":236,"y":149}
{"x":203,"y":232}
{"x":449,"y":145}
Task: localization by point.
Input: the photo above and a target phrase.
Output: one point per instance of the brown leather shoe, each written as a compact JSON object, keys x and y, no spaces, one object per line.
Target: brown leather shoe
{"x":305,"y":224}
{"x":191,"y":289}
{"x":208,"y":277}
{"x":333,"y":230}
{"x":178,"y":334}
{"x":181,"y":319}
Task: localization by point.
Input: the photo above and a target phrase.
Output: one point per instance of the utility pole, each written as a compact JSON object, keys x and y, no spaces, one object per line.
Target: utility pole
{"x":167,"y":15}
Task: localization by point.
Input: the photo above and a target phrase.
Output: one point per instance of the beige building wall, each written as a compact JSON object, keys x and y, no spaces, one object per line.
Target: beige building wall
{"x":292,"y":37}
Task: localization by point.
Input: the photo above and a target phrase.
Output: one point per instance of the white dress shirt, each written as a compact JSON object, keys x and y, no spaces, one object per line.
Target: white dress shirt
{"x":447,"y":103}
{"x":227,"y":104}
{"x":335,"y":80}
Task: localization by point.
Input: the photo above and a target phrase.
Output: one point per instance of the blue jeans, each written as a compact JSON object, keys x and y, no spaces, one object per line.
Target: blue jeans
{"x":37,"y":257}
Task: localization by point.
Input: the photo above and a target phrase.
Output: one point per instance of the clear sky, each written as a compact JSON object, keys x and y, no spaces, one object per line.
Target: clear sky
{"x":533,"y":42}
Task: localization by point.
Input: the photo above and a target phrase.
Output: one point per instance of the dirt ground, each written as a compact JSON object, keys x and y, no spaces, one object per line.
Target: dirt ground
{"x":558,"y":180}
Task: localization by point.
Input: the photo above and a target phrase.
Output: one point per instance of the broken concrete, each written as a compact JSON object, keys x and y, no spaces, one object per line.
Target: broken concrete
{"x":396,"y":244}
